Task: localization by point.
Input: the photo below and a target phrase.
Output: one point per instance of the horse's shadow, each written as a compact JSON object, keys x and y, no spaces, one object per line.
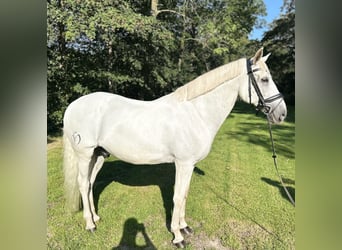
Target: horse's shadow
{"x":161,"y":175}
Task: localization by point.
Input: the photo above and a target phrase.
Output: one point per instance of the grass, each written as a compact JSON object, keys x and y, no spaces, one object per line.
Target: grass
{"x":235,"y":199}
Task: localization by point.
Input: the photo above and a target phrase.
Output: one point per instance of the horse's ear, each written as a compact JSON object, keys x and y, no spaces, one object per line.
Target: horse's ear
{"x":258,"y":55}
{"x":264,"y":58}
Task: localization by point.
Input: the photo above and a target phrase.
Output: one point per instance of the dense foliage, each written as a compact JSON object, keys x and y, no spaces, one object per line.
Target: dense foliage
{"x":140,"y":49}
{"x":280,"y":41}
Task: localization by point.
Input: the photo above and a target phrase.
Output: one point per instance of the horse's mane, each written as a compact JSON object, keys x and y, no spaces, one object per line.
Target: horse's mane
{"x":210,"y":80}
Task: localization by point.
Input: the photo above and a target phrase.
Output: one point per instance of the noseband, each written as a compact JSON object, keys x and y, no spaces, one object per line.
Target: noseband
{"x":262,"y":103}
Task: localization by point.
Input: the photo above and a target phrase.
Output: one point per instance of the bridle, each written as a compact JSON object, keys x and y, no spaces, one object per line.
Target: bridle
{"x":262,"y":103}
{"x":262,"y":106}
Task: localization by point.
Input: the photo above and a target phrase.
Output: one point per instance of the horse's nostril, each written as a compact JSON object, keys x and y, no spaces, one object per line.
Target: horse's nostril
{"x":282,"y":117}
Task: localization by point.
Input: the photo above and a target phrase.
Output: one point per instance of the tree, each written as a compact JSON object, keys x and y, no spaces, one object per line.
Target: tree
{"x":209,"y":33}
{"x":280,"y":41}
{"x":104,"y":46}
{"x":139,"y":49}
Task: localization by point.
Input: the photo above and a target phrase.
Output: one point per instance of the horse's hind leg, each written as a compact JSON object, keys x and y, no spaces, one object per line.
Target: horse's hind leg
{"x":97,"y":166}
{"x":84,"y":172}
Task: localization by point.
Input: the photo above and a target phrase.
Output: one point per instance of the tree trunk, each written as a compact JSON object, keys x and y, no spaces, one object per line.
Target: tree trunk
{"x":154,"y":7}
{"x":61,"y":36}
{"x":110,"y":68}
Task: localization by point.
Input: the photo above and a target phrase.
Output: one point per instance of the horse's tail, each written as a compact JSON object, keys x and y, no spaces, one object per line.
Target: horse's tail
{"x":73,"y":196}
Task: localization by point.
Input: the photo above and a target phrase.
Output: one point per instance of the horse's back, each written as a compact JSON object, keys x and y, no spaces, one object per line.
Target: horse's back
{"x":136,"y":131}
{"x":95,"y":115}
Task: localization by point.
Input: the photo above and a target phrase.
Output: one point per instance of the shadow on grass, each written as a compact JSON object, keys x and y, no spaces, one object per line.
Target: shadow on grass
{"x":130,"y":232}
{"x":283,"y":137}
{"x":278,"y":185}
{"x":283,"y":134}
{"x":161,"y":175}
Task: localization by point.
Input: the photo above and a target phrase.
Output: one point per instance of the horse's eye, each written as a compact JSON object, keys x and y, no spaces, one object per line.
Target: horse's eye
{"x":264,"y":79}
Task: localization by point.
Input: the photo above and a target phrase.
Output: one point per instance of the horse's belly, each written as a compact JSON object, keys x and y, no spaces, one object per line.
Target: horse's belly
{"x":140,"y":155}
{"x":139,"y":148}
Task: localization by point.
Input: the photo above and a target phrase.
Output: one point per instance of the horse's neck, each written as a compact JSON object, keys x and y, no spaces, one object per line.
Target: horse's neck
{"x":215,"y":106}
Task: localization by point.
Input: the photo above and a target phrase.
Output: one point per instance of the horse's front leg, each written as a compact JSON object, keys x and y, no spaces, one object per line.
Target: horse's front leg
{"x":182,"y":183}
{"x":185,"y":229}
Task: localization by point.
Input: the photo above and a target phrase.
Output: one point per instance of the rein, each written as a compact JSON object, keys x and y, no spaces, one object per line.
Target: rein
{"x":274,"y":156}
{"x":262,"y":106}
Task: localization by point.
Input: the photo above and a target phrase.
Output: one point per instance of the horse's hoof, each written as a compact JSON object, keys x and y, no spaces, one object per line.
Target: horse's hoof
{"x":92,"y":230}
{"x":180,"y":244}
{"x":187,"y":231}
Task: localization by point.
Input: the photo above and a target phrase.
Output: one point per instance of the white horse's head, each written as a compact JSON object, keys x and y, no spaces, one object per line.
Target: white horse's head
{"x":262,"y":91}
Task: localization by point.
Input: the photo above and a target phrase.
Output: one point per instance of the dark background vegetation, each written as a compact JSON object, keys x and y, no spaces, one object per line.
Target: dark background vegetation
{"x":146,"y":49}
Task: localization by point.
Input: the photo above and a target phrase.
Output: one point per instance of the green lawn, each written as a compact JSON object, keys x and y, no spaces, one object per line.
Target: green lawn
{"x":235,"y":199}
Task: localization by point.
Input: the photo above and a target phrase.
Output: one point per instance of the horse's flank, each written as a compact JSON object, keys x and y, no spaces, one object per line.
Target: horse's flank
{"x":210,"y":80}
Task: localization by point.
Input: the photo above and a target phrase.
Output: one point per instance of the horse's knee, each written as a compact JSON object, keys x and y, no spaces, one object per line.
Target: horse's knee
{"x":177,"y":201}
